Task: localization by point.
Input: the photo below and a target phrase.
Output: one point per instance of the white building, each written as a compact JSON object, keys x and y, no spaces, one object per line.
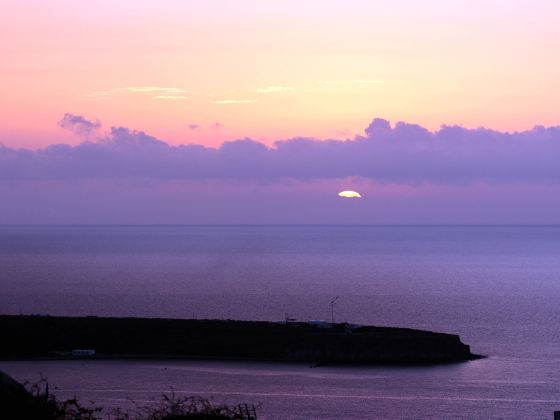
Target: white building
{"x":319,"y":323}
{"x":83,"y":352}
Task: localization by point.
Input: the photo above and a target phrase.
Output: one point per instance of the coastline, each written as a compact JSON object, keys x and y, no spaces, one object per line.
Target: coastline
{"x":55,"y":338}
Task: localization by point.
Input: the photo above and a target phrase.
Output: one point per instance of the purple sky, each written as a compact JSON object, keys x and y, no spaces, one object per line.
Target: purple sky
{"x":405,"y":173}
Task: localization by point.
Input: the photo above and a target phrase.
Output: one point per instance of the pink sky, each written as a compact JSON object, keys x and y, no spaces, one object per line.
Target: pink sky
{"x":274,"y":69}
{"x":204,"y":73}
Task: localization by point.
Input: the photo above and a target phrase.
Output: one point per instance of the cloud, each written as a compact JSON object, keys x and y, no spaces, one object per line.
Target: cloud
{"x":275,"y":89}
{"x":98,"y":95}
{"x":152,"y":89}
{"x":217,"y":126}
{"x":400,"y":154}
{"x":406,"y":174}
{"x":79,"y":124}
{"x":193,"y":126}
{"x":156,"y":92}
{"x":235,"y":101}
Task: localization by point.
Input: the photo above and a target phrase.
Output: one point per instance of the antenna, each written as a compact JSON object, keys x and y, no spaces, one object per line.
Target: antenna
{"x":332,"y":309}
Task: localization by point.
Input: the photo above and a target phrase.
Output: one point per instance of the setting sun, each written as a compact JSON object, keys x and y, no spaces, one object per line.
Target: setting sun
{"x":349,"y":194}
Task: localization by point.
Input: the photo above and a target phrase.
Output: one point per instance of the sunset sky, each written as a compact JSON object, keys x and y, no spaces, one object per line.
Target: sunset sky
{"x":206,"y":72}
{"x":275,"y":69}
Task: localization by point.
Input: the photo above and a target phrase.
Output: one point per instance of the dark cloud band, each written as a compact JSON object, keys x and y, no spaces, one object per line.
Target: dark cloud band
{"x":404,"y":153}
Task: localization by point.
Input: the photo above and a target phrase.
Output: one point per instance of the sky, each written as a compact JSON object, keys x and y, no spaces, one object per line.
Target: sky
{"x":261,"y":112}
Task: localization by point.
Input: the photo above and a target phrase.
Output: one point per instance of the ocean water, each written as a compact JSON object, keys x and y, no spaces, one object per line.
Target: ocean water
{"x":498,"y":287}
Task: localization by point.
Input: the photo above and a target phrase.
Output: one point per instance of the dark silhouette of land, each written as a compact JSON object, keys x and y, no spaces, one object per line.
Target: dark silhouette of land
{"x":56,"y":337}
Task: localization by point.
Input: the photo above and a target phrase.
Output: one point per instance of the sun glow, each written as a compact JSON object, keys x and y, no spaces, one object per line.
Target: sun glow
{"x":349,"y":194}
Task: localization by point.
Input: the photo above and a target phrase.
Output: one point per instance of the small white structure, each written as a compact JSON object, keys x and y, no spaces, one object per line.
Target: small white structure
{"x":319,"y":323}
{"x":83,"y":352}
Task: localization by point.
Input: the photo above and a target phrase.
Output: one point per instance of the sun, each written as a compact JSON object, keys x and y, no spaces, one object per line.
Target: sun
{"x":349,"y":194}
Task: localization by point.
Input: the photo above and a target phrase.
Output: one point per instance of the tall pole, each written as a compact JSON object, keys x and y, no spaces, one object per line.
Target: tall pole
{"x":332,"y":310}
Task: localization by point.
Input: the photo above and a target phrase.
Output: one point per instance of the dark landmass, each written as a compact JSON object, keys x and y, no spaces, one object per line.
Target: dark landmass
{"x":47,"y":336}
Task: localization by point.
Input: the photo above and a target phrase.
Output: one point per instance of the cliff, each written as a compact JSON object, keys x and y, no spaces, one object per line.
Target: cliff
{"x":41,"y":336}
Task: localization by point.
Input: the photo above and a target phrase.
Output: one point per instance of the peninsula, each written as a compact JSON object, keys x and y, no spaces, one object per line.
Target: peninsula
{"x":56,"y":337}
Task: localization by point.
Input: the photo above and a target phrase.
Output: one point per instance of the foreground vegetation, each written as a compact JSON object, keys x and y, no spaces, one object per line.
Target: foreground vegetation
{"x":34,"y":401}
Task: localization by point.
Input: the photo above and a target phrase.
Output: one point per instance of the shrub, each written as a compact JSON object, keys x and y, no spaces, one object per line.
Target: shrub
{"x":33,"y":401}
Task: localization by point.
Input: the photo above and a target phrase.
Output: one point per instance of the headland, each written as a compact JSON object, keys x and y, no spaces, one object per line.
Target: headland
{"x":320,"y":343}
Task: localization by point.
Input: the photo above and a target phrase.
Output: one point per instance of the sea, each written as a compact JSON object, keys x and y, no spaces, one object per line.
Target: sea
{"x":498,"y":287}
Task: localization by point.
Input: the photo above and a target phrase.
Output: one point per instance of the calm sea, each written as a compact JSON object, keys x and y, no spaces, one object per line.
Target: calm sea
{"x":496,"y":286}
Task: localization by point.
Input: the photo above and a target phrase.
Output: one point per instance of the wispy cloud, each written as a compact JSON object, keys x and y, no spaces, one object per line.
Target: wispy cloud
{"x":214,"y":126}
{"x":275,"y":89}
{"x":156,"y":92}
{"x":98,"y":95}
{"x":235,"y":101}
{"x":153,"y":89}
{"x":170,"y":97}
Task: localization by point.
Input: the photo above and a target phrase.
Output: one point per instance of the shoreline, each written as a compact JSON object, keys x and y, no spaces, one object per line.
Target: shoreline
{"x":164,"y":357}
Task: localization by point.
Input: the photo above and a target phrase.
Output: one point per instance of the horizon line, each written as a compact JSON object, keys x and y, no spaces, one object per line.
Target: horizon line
{"x":279,"y":225}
